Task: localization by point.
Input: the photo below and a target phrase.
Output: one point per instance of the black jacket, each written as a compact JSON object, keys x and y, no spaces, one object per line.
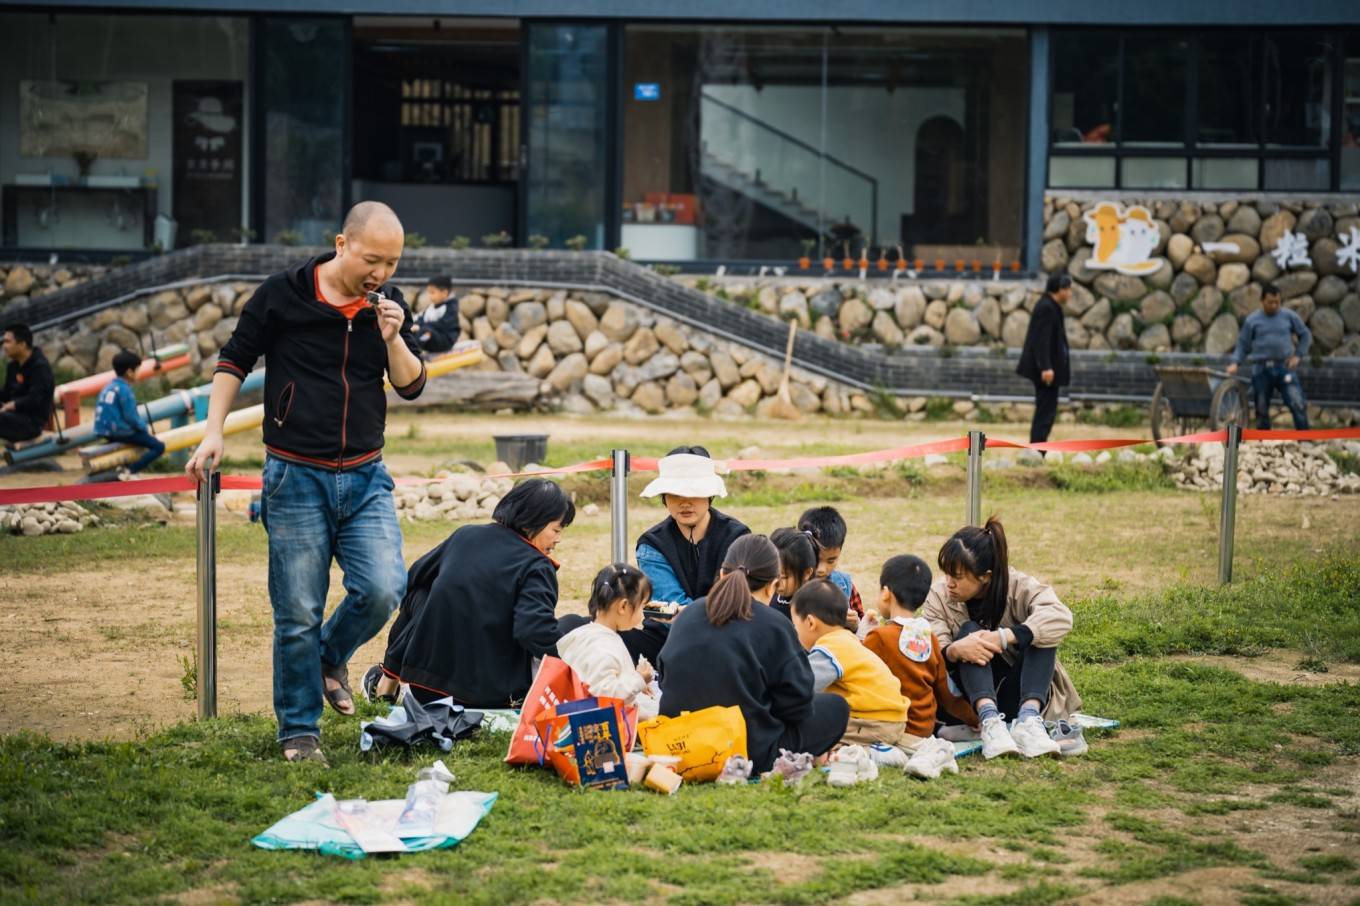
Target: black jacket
{"x":323,"y":390}
{"x":756,"y":664}
{"x":30,"y":387}
{"x":695,"y":565}
{"x":478,"y":609}
{"x":437,"y":329}
{"x":1046,"y":344}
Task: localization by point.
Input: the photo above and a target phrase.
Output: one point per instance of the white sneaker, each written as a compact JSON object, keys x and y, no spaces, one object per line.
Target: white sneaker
{"x":996,"y":739}
{"x":931,"y":757}
{"x":865,"y":768}
{"x":1030,"y":737}
{"x":886,"y":756}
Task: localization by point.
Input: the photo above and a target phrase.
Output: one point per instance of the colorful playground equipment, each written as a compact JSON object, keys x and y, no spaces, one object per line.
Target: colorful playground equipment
{"x":109,"y":457}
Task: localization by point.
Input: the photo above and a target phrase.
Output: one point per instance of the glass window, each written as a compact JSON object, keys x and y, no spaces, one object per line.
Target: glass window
{"x":1228,"y":77}
{"x":1154,"y":91}
{"x":1307,"y":174}
{"x":304,"y":121}
{"x":1081,"y":172}
{"x":1085,"y":89}
{"x":756,"y":143}
{"x":567,"y":110}
{"x":1298,"y":90}
{"x":1225,"y":173}
{"x":1350,"y":116}
{"x":121,"y":124}
{"x":1153,"y":173}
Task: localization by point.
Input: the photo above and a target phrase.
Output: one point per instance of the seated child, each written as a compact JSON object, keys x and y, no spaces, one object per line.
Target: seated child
{"x":907,"y":646}
{"x":116,"y":417}
{"x":827,"y":527}
{"x":597,"y":653}
{"x":797,"y":563}
{"x":844,"y":667}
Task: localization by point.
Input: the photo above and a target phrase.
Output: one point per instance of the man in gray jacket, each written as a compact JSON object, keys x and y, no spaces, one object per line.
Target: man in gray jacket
{"x":1267,"y":342}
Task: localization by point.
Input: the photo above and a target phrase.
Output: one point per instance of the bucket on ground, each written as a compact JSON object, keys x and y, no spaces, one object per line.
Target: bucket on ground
{"x":518,"y":450}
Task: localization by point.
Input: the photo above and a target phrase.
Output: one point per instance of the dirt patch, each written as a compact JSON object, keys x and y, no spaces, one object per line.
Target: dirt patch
{"x":1208,"y":887}
{"x":1278,"y":665}
{"x":988,"y":885}
{"x":785,"y":868}
{"x":217,"y":895}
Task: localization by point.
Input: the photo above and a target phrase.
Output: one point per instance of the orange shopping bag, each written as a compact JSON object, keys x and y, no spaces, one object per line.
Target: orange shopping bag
{"x":555,"y":683}
{"x":592,"y":734}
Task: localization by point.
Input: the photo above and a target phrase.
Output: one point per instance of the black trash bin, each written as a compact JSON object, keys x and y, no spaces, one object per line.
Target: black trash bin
{"x":518,"y":450}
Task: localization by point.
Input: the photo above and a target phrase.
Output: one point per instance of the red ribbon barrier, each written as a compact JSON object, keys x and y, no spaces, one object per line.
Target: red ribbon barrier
{"x":182,"y":483}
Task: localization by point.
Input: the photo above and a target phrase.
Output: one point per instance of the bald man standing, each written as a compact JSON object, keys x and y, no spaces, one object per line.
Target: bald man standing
{"x":326,"y":492}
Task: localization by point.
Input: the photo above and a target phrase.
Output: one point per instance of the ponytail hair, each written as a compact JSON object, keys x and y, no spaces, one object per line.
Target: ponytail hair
{"x":980,"y":551}
{"x":798,"y":551}
{"x":619,"y":580}
{"x":752,"y":562}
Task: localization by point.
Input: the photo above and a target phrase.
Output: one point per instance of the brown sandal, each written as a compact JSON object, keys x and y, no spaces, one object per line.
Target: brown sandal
{"x":303,"y":748}
{"x":341,"y":697}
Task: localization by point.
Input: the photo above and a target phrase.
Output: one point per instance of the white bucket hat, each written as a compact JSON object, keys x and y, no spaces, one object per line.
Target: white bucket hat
{"x":686,"y":475}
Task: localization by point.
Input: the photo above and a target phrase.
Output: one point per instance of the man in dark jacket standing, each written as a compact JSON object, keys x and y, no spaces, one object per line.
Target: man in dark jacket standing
{"x":326,"y":493}
{"x":26,"y":399}
{"x":1044,"y":360}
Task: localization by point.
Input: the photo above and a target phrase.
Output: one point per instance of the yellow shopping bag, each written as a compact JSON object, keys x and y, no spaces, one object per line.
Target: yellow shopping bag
{"x":702,"y":740}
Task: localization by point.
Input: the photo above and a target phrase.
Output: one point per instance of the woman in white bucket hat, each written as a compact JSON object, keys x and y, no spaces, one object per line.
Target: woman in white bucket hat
{"x":682,"y":553}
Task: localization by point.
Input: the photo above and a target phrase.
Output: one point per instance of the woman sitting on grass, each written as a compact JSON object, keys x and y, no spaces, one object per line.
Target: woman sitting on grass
{"x":1000,"y":630}
{"x":729,"y":648}
{"x":479,"y":608}
{"x":681,"y":553}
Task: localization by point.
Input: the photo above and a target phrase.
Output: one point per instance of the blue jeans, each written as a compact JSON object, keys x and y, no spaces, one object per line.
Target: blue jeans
{"x":1266,"y":378}
{"x":314,"y":515}
{"x":154,"y":448}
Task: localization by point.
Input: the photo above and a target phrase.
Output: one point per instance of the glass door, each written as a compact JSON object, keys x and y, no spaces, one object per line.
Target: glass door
{"x":566,"y":108}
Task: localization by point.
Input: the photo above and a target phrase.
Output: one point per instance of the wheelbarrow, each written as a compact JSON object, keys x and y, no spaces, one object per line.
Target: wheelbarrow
{"x":1187,"y":397}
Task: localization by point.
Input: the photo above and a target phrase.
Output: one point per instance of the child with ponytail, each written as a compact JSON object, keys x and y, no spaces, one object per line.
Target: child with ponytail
{"x":730,"y":648}
{"x":596,"y":651}
{"x":1000,"y":630}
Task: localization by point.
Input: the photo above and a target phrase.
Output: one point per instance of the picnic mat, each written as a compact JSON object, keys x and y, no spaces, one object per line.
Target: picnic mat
{"x":1085,"y":721}
{"x":352,"y":828}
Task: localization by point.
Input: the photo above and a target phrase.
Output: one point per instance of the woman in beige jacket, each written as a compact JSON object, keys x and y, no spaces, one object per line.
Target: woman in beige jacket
{"x":1000,"y":630}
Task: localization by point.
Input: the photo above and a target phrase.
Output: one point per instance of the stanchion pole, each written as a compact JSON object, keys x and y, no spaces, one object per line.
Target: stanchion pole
{"x":618,"y":506}
{"x":1228,"y":516}
{"x":977,"y":442}
{"x":207,"y":595}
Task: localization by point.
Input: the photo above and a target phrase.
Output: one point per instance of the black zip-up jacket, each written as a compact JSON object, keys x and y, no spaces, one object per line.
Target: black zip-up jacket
{"x":478,"y":609}
{"x":1046,"y":344}
{"x":324,"y":403}
{"x":30,"y":387}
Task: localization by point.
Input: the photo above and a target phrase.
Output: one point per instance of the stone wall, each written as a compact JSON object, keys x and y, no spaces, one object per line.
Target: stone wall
{"x":1198,"y":298}
{"x":1194,"y":302}
{"x":21,"y":282}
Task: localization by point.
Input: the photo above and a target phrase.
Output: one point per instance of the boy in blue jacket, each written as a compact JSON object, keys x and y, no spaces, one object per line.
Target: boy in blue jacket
{"x":116,"y":417}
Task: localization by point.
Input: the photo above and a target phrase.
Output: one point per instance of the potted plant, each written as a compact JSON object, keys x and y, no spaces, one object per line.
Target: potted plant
{"x":882,"y":260}
{"x":939,"y":264}
{"x":847,"y":262}
{"x":577,"y":243}
{"x":805,"y":262}
{"x":458,"y":243}
{"x":416,"y":241}
{"x":538,"y":242}
{"x":901,"y":260}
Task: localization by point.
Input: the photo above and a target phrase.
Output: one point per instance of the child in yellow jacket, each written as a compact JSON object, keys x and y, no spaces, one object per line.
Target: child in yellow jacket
{"x":844,"y":667}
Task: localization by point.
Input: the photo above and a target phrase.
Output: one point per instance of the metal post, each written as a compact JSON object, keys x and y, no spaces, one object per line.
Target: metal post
{"x":618,"y":506}
{"x":1228,"y":517}
{"x":207,"y":595}
{"x":977,"y":442}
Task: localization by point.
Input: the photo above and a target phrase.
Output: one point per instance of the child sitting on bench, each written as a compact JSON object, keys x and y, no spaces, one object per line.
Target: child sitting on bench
{"x":117,"y":419}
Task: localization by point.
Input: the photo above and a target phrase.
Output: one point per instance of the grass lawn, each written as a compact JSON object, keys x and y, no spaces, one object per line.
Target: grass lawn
{"x":1234,"y":779}
{"x":1214,"y":779}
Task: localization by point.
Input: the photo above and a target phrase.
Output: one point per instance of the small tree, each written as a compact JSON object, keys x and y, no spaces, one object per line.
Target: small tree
{"x":622,"y":252}
{"x":458,"y":243}
{"x":538,"y":242}
{"x":577,"y":243}
{"x":290,"y":237}
{"x":497,"y":240}
{"x":202,"y":237}
{"x":415,"y":241}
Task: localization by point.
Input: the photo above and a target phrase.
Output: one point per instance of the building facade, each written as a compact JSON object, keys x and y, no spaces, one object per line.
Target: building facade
{"x":705,"y":135}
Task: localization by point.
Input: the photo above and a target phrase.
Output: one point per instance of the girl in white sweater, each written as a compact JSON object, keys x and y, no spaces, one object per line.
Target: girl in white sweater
{"x":597,"y":653}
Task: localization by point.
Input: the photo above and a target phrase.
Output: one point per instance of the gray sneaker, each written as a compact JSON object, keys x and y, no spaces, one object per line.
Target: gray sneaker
{"x":1069,"y":737}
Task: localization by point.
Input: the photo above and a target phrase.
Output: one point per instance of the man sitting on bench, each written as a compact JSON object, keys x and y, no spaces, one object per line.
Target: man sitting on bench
{"x":116,"y":416}
{"x":26,"y":399}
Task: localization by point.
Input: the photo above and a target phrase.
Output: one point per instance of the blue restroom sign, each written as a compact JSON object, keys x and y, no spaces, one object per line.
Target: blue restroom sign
{"x":646,"y":91}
